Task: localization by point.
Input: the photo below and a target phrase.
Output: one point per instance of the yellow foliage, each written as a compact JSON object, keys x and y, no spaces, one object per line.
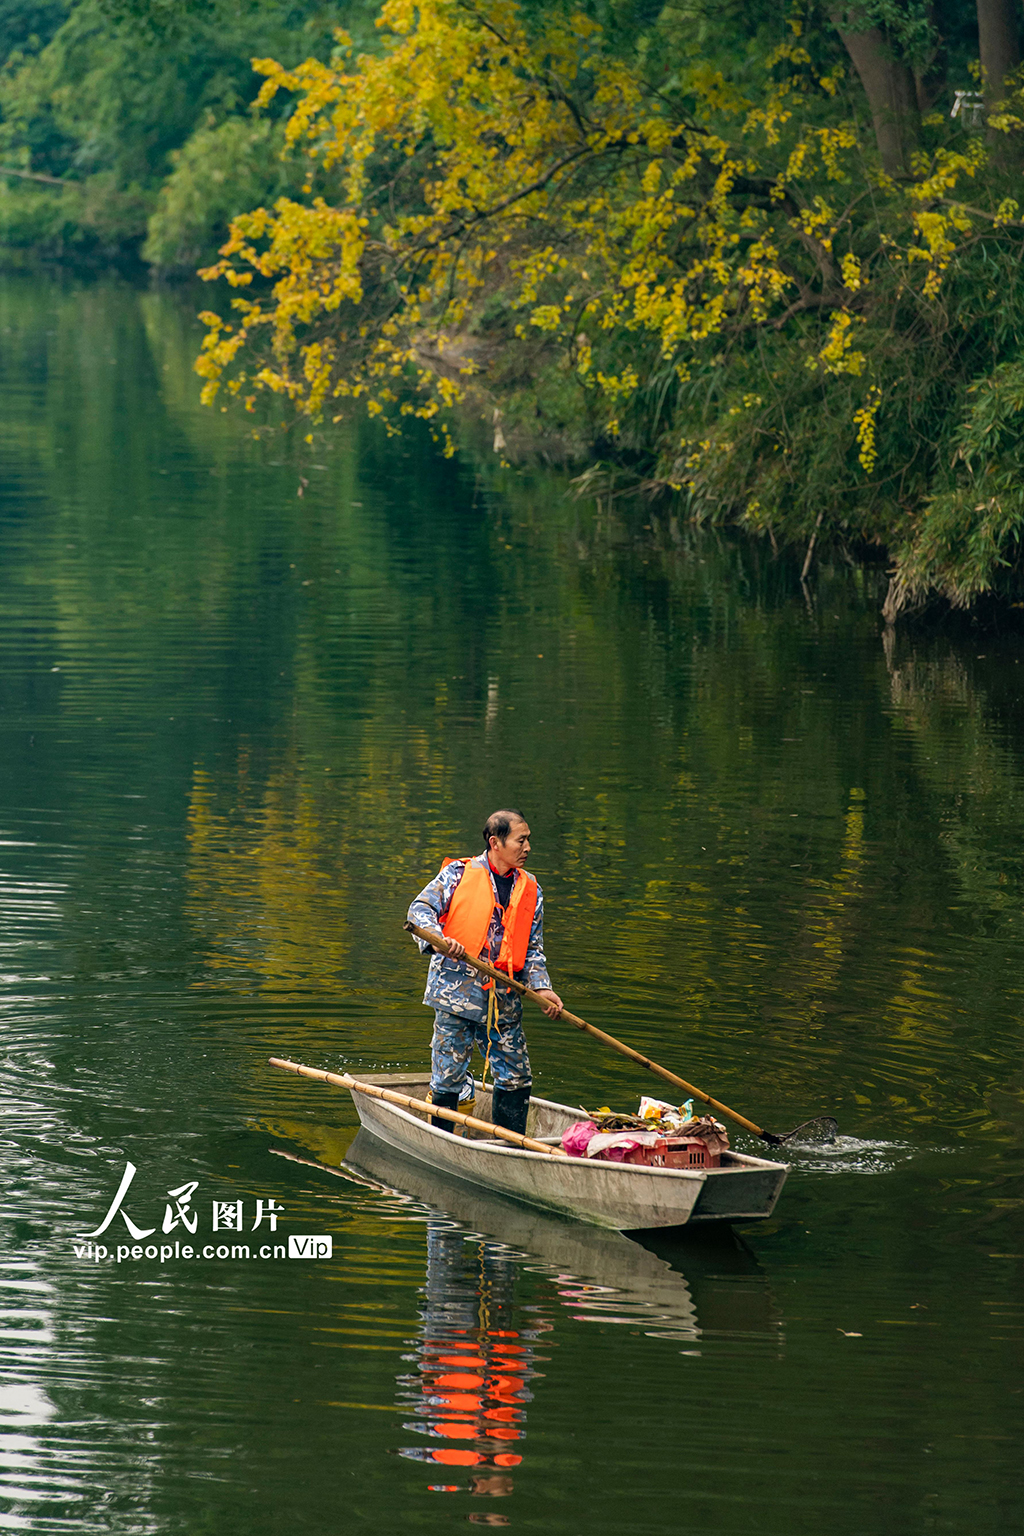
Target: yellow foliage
{"x":864,"y":421}
{"x":474,"y":155}
{"x":837,"y":355}
{"x":851,"y":270}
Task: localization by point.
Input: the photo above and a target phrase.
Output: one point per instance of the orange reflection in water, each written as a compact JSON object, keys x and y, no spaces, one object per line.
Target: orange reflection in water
{"x":468,"y":1392}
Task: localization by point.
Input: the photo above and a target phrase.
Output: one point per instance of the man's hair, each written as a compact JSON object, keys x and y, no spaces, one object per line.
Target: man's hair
{"x":499,"y":825}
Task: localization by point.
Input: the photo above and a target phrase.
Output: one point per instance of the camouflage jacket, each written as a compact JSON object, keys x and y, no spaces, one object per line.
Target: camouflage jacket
{"x":452,"y":985}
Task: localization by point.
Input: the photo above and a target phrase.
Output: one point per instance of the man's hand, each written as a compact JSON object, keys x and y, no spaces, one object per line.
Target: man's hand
{"x":550,"y":1002}
{"x":456,"y":950}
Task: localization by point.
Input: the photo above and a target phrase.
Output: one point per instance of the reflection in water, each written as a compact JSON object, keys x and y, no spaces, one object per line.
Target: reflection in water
{"x":33,"y":1474}
{"x":474,"y":1355}
{"x":669,"y":1284}
{"x":267,"y":880}
{"x":469,"y":1390}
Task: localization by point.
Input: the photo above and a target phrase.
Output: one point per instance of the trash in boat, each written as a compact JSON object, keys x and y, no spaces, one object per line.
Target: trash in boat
{"x":661,"y":1136}
{"x":667,"y":1116}
{"x":575,"y":1139}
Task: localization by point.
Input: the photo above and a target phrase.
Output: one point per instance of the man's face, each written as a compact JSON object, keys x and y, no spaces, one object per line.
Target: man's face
{"x":515,"y":850}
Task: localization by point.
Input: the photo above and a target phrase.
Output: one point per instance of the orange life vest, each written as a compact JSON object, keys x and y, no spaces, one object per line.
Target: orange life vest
{"x":469,"y":915}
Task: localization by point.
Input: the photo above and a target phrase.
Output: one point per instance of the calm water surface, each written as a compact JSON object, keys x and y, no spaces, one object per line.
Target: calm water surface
{"x":239,"y":727}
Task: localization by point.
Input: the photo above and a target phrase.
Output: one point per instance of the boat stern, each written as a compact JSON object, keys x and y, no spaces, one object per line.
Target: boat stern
{"x":742,"y":1189}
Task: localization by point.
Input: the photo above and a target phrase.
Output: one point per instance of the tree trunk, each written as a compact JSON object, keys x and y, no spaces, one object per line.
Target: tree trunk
{"x":890,"y":89}
{"x":1000,"y":49}
{"x":930,"y":73}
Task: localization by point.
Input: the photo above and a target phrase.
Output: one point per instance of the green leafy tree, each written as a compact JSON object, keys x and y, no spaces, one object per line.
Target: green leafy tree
{"x":120,"y":86}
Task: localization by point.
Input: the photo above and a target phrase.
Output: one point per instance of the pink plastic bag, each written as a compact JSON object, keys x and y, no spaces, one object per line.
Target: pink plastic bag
{"x":575,"y":1139}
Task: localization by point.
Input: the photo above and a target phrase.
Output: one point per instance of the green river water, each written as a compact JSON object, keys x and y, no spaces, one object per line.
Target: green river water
{"x":240,"y":727}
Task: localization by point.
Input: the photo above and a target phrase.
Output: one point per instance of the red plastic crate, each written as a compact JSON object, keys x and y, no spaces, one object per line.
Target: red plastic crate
{"x":675,"y":1152}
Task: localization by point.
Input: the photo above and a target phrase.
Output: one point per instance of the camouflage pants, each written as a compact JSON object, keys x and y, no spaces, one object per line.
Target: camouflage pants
{"x":451,"y":1054}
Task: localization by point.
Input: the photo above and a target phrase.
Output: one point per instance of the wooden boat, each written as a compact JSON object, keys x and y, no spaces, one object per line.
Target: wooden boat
{"x":623,"y":1197}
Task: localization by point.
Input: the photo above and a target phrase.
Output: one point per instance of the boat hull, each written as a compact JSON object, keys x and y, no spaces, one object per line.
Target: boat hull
{"x":618,"y":1196}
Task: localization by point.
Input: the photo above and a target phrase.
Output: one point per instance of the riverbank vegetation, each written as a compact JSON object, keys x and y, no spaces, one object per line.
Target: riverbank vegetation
{"x":124,"y":124}
{"x":760,"y":262}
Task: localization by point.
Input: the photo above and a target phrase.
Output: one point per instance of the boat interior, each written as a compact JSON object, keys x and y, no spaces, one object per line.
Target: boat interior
{"x":545,"y":1123}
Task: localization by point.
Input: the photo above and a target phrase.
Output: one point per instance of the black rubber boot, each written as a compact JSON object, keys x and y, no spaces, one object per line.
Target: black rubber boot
{"x":510,"y":1106}
{"x":444,"y":1101}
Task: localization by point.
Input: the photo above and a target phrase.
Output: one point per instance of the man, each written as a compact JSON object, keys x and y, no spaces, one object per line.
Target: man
{"x":489,"y":907}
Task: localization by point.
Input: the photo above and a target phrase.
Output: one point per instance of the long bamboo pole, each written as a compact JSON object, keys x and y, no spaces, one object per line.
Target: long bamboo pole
{"x":437,"y":941}
{"x":342,"y":1080}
